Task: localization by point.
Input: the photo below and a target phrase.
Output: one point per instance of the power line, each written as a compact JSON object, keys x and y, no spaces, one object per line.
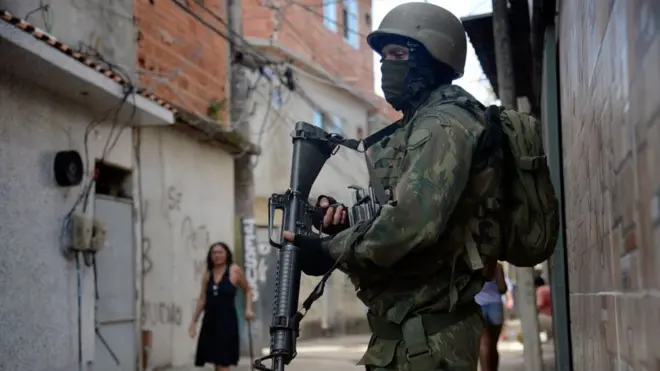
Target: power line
{"x":256,"y":53}
{"x":298,"y":34}
{"x":289,"y":125}
{"x":284,"y":81}
{"x":297,"y":90}
{"x":265,"y":59}
{"x":234,"y":35}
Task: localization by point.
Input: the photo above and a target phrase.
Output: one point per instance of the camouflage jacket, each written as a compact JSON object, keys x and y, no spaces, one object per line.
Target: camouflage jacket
{"x":407,"y":261}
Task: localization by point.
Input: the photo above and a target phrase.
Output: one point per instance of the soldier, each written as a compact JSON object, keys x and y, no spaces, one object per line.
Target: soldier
{"x":415,"y":265}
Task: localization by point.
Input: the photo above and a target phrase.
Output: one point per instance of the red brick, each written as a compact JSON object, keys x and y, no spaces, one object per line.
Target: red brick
{"x":163,"y":21}
{"x":304,"y":32}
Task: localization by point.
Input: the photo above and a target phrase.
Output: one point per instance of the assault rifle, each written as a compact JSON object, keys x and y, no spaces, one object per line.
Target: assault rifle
{"x":312,"y":147}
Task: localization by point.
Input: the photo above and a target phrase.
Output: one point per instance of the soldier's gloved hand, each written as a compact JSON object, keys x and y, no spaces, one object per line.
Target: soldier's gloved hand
{"x":332,"y":217}
{"x":314,"y":258}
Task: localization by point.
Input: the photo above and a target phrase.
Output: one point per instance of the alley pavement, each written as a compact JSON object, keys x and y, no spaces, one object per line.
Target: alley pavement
{"x":342,"y":354}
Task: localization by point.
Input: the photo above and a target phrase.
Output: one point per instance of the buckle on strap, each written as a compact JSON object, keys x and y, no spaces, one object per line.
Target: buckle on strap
{"x":417,"y":348}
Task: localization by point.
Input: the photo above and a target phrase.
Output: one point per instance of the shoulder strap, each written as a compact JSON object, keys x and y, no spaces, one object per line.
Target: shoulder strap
{"x":374,"y":138}
{"x":374,"y":180}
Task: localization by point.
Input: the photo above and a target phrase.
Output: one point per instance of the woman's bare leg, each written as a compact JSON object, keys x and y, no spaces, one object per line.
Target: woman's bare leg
{"x":221,"y":368}
{"x":493,"y":332}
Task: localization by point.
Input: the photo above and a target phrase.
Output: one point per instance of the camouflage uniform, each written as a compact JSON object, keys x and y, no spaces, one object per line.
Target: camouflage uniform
{"x":402,"y":265}
{"x":410,"y":265}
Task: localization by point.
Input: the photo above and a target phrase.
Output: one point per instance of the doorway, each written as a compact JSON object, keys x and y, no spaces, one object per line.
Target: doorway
{"x":116,"y":341}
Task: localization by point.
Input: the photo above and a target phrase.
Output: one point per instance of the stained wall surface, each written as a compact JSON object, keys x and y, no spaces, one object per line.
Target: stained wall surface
{"x":187,"y":204}
{"x":38,"y":284}
{"x":610,"y":111}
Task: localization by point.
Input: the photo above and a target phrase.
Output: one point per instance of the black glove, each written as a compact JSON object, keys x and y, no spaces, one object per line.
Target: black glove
{"x":314,"y":258}
{"x":317,"y":218}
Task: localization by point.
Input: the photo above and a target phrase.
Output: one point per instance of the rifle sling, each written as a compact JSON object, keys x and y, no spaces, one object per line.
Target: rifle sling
{"x":374,"y":180}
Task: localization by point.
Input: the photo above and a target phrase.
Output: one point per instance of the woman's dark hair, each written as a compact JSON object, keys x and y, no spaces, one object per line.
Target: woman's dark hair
{"x":228,"y":254}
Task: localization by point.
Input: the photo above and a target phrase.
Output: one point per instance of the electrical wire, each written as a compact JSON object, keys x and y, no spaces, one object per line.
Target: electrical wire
{"x":83,"y":198}
{"x":326,"y":2}
{"x":46,"y":15}
{"x":195,"y":57}
{"x":286,"y":123}
{"x":265,"y":121}
{"x":88,"y":184}
{"x":257,"y":54}
{"x":230,"y":38}
{"x":302,"y":40}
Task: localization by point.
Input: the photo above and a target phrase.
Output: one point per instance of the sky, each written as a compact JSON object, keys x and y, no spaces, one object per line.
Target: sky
{"x":473,"y":80}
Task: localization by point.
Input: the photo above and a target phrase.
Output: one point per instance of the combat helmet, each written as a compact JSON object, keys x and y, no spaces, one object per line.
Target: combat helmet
{"x":441,"y":32}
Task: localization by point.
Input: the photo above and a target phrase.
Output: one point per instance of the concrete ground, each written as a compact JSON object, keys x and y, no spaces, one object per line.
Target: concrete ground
{"x":342,"y":353}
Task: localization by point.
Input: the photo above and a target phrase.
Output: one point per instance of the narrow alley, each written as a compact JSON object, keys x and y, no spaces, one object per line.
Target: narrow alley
{"x":146,"y":160}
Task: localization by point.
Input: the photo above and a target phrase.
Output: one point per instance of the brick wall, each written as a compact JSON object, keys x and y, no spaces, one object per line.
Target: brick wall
{"x":610,"y":100}
{"x":298,"y":25}
{"x":178,"y":56}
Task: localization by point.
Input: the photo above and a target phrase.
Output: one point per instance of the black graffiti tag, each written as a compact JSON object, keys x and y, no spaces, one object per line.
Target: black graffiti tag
{"x":147,"y":264}
{"x":194,"y":238}
{"x":174,"y":198}
{"x":161,"y":313}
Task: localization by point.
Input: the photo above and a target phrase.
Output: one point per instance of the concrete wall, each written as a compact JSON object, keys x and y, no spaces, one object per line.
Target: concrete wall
{"x":105,"y":25}
{"x":38,"y":325}
{"x":346,"y":167}
{"x":610,"y":94}
{"x":188,"y":203}
{"x":274,"y":166}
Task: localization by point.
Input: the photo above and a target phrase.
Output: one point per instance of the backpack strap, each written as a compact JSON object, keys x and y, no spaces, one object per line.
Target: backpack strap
{"x":490,"y":142}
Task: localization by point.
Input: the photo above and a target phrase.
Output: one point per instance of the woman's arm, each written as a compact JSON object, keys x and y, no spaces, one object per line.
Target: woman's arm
{"x":201,"y":301}
{"x":499,"y":279}
{"x":243,"y":284}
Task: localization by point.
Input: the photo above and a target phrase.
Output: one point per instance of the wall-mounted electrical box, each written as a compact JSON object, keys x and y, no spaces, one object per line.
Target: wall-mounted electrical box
{"x":87,"y":234}
{"x":82,"y":228}
{"x":98,"y":235}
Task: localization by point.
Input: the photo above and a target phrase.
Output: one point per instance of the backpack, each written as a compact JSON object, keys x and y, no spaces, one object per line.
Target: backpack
{"x":530,"y":213}
{"x":509,"y":207}
{"x":511,"y":190}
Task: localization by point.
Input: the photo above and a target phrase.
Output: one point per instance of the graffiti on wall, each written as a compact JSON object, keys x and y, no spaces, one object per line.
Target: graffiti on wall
{"x":147,"y":263}
{"x":196,"y":240}
{"x":255,"y":257}
{"x":161,"y":313}
{"x":194,"y":237}
{"x":174,"y":198}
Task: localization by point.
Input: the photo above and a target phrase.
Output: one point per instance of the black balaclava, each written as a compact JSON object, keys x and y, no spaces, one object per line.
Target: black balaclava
{"x":407,"y":83}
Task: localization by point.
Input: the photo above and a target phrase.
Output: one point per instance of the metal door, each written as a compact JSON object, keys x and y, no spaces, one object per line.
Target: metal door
{"x":116,"y":333}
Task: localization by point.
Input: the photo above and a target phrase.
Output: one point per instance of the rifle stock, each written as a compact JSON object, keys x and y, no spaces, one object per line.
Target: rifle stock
{"x":311,"y":150}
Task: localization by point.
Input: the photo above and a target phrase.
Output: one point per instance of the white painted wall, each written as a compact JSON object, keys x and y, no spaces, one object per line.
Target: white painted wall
{"x":274,"y":166}
{"x":106,"y":25}
{"x":38,"y":325}
{"x":188,"y":203}
{"x":347,"y":167}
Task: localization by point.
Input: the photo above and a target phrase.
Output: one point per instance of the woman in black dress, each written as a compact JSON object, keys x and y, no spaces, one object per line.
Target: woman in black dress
{"x":218,"y":339}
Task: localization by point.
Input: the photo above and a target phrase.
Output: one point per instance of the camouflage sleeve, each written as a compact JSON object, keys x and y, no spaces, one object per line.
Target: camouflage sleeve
{"x":436,"y":170}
